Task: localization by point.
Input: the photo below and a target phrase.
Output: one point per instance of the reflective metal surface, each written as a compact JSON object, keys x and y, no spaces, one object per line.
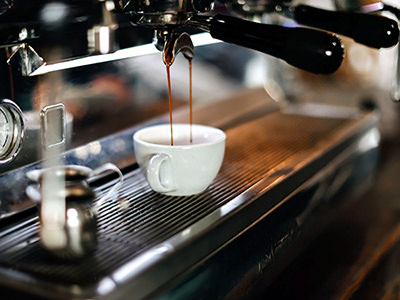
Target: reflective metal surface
{"x":24,"y":59}
{"x":53,"y":125}
{"x":177,"y":44}
{"x":12,"y":130}
{"x":68,"y":214}
{"x":118,"y":148}
{"x":86,"y":80}
{"x":150,"y":235}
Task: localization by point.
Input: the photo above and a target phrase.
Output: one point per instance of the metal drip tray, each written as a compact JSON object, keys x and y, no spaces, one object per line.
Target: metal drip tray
{"x":147,"y":239}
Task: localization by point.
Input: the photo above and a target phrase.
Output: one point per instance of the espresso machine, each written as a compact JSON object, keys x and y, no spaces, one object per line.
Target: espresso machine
{"x":81,"y":77}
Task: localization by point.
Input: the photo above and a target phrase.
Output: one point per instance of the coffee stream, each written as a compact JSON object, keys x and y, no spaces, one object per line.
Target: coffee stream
{"x":190,"y":99}
{"x":168,"y":63}
{"x":170,"y":101}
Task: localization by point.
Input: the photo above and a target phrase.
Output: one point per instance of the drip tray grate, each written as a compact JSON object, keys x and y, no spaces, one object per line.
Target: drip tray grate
{"x":140,"y":219}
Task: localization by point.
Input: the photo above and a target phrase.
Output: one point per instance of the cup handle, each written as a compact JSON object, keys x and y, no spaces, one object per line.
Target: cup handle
{"x":104,"y":168}
{"x":154,"y":174}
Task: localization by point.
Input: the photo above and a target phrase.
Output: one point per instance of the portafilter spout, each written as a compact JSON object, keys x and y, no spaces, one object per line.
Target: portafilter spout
{"x":176,"y":43}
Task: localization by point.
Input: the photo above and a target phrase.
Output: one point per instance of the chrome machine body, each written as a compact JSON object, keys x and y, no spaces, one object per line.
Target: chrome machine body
{"x":82,"y":76}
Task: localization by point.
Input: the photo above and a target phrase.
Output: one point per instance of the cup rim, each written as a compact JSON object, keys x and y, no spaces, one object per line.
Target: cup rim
{"x":151,"y":127}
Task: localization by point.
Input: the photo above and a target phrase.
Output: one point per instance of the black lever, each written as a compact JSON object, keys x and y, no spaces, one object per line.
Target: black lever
{"x":371,"y":30}
{"x":308,"y":49}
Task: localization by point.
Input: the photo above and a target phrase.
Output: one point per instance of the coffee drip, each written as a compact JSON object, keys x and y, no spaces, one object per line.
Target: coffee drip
{"x":168,"y":68}
{"x":190,"y":99}
{"x":171,"y":49}
{"x":170,"y":101}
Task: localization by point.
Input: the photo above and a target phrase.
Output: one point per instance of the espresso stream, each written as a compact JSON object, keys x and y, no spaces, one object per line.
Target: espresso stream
{"x":190,"y":99}
{"x":168,"y":64}
{"x":170,"y":101}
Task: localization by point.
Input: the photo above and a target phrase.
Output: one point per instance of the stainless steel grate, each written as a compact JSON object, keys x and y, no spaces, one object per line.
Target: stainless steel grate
{"x":139,"y":218}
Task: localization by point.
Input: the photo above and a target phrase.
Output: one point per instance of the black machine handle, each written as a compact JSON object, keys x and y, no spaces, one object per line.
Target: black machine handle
{"x":371,"y":30}
{"x":308,"y":49}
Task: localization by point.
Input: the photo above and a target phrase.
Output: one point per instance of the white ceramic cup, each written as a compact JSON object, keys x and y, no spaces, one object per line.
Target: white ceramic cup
{"x":184,"y":168}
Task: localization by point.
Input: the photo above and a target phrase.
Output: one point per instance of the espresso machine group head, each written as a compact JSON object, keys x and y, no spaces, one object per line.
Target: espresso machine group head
{"x":308,"y":49}
{"x":23,"y":24}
